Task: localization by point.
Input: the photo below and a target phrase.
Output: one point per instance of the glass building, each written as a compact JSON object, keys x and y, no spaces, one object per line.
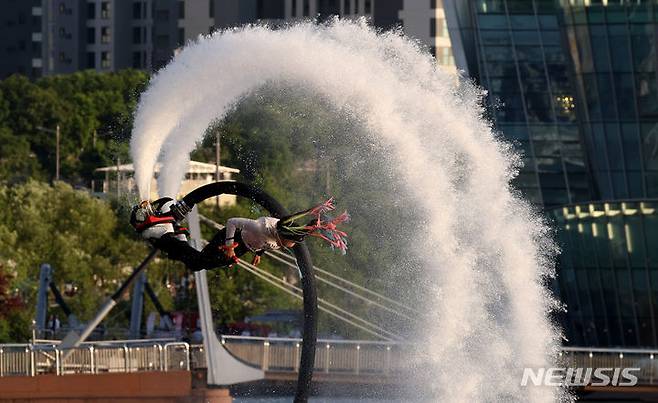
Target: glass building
{"x":609,"y":272}
{"x":514,"y":50}
{"x":573,"y":83}
{"x":613,"y":50}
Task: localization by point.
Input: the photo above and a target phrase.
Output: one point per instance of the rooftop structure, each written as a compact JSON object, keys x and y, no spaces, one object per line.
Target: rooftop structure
{"x":119,"y":179}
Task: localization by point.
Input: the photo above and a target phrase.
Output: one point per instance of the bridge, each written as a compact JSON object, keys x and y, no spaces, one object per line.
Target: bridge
{"x":349,"y":361}
{"x":228,"y":360}
{"x":340,"y":362}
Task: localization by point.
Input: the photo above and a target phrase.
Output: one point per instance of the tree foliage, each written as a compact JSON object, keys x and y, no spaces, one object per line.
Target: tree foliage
{"x":94,"y":111}
{"x":78,"y":235}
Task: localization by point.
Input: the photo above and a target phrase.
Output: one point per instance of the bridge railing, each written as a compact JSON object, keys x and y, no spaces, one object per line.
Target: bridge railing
{"x":271,"y":354}
{"x":35,"y":359}
{"x":335,"y":356}
{"x":645,"y":360}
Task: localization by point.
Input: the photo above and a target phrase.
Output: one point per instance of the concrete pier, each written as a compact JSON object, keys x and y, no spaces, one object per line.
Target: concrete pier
{"x":140,"y":387}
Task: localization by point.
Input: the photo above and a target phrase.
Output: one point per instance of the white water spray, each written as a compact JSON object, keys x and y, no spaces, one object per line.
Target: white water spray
{"x":481,"y":245}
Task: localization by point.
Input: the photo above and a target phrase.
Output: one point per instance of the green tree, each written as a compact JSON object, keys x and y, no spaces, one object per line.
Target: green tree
{"x":79,"y":236}
{"x":93,"y":110}
{"x":17,"y":161}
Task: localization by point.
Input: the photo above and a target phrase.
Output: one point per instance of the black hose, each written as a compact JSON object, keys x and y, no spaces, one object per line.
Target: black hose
{"x":303,"y":257}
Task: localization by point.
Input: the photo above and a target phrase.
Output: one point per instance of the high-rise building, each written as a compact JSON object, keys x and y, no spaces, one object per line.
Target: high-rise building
{"x":516,"y":53}
{"x":574,"y":84}
{"x":610,"y":266}
{"x":57,"y":37}
{"x":21,"y":38}
{"x":44,"y":37}
{"x":426,"y":21}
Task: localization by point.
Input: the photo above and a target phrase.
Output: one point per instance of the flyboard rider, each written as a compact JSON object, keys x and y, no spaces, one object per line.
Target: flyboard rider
{"x":155,"y":222}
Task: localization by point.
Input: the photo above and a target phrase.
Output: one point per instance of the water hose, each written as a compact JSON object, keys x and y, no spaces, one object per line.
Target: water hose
{"x":310,"y":299}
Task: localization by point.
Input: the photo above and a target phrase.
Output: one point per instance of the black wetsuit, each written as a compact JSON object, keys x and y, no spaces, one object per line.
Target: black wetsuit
{"x":212,"y":256}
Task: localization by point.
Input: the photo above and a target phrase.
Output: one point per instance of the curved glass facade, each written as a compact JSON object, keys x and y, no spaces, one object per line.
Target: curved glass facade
{"x":613,"y":52}
{"x":609,"y":272}
{"x":521,"y":62}
{"x":574,"y":83}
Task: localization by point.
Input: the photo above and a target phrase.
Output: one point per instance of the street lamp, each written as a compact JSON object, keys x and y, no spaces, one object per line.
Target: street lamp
{"x":56,"y":132}
{"x":217,"y":162}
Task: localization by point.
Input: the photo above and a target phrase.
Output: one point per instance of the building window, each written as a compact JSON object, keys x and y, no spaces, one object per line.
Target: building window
{"x":307,"y":8}
{"x":137,"y":35}
{"x":367,"y":6}
{"x":162,"y":15}
{"x":181,"y":10}
{"x":105,"y":10}
{"x":106,"y":35}
{"x":137,"y":11}
{"x":162,"y":41}
{"x":181,"y":36}
{"x":137,"y":60}
{"x":91,"y":35}
{"x":91,"y":60}
{"x":432,"y":27}
{"x":106,"y":61}
{"x":62,"y":8}
{"x":91,"y":11}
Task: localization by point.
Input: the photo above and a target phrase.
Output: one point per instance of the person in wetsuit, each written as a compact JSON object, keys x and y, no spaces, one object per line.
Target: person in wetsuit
{"x":156,"y":224}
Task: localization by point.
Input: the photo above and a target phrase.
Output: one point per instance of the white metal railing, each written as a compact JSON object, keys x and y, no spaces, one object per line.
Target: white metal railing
{"x":93,"y":358}
{"x":645,"y":360}
{"x":332,"y":356}
{"x":358,"y":357}
{"x":370,"y":357}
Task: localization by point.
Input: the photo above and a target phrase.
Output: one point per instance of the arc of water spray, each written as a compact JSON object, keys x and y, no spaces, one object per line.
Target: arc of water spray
{"x":491,"y":315}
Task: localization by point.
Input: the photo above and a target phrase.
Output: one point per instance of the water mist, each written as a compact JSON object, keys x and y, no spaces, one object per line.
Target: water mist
{"x":484,"y":251}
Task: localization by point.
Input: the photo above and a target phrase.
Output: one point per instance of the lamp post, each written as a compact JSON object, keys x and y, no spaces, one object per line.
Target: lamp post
{"x":217,"y":162}
{"x":56,"y":132}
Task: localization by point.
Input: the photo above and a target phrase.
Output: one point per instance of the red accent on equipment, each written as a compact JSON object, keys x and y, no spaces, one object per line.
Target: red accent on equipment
{"x":153,"y":220}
